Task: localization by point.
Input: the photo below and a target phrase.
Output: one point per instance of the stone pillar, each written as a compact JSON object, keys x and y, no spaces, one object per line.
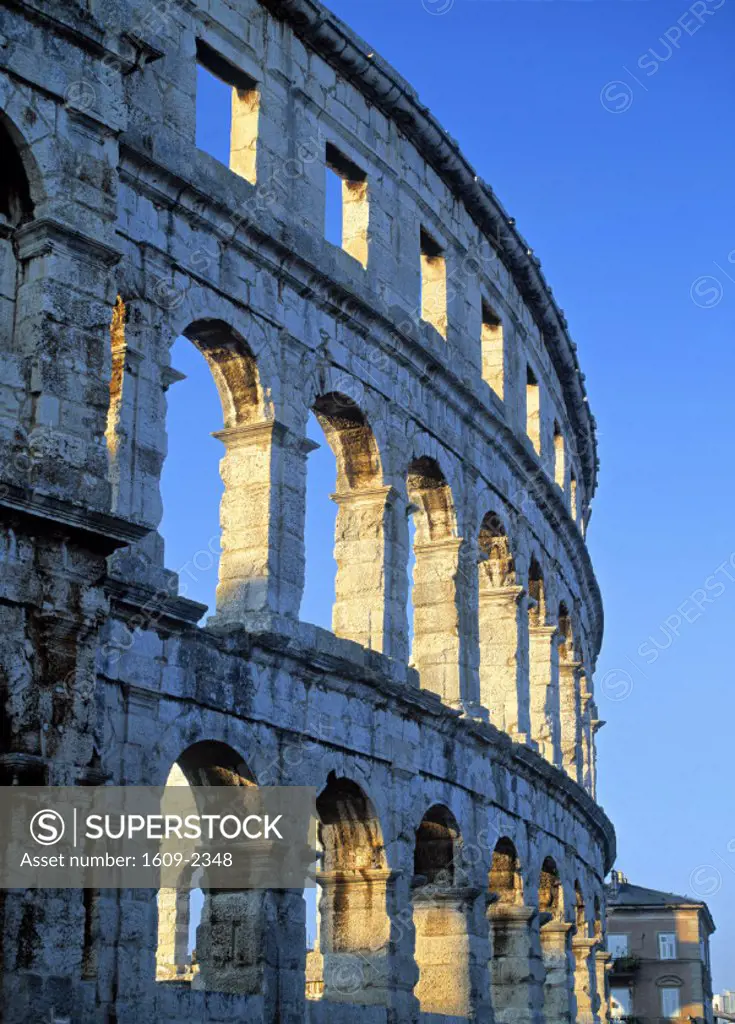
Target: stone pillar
{"x":355,"y":936}
{"x":516,"y":976}
{"x":543,"y":656}
{"x":172,"y":953}
{"x":252,"y":942}
{"x":444,"y":949}
{"x":584,"y":978}
{"x":502,"y":680}
{"x":436,"y":635}
{"x":558,"y":984}
{"x":262,"y":516}
{"x":571,"y":718}
{"x":363,"y":552}
{"x":603,"y":960}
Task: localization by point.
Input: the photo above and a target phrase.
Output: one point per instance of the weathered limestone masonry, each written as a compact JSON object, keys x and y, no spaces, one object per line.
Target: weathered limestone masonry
{"x":463,"y":851}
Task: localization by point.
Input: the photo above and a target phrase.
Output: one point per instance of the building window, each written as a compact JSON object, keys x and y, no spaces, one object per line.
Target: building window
{"x":670,"y":1002}
{"x":621,"y":1003}
{"x":559,"y":453}
{"x":346,"y":211}
{"x":493,"y":356}
{"x":533,"y":409}
{"x":433,"y":284}
{"x":666,"y":946}
{"x":617,"y":945}
{"x":228,"y":102}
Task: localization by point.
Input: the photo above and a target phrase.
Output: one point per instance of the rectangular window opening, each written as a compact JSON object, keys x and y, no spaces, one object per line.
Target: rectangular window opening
{"x":559,"y":455}
{"x":670,"y":1002}
{"x":667,"y":946}
{"x":493,"y":355}
{"x":227,"y":112}
{"x":617,"y":945}
{"x":533,"y":409}
{"x":347,"y":207}
{"x":433,"y":284}
{"x":573,"y":499}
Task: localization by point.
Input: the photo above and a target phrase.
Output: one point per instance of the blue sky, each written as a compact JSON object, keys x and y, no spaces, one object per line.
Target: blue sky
{"x":617,"y":164}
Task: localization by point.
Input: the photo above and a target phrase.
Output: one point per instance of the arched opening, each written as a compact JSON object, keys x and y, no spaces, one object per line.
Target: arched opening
{"x":349,"y":963}
{"x":16,"y":209}
{"x":569,"y":697}
{"x":359,"y":531}
{"x":506,"y":880}
{"x":555,"y":944}
{"x":182,"y":942}
{"x":440,"y":917}
{"x":499,"y":626}
{"x":226,"y":516}
{"x":543,"y":669}
{"x":434,"y":853}
{"x":436,"y":643}
{"x":550,"y":893}
{"x":510,"y":934}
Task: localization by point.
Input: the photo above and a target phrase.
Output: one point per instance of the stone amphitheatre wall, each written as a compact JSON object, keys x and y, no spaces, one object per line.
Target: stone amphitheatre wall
{"x":463,"y":850}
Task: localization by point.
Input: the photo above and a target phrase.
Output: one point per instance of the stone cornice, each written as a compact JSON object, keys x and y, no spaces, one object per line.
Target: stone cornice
{"x":102,"y":531}
{"x":376,"y":79}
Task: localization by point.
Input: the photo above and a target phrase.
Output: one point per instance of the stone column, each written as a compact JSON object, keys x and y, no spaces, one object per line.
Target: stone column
{"x":571,"y":718}
{"x":516,"y":976}
{"x":252,"y":942}
{"x":355,"y":936}
{"x":558,"y":984}
{"x":172,"y":953}
{"x":502,"y":681}
{"x":262,"y":516}
{"x":584,"y":978}
{"x":543,"y":656}
{"x":603,"y":960}
{"x":436,"y":634}
{"x":445,"y":941}
{"x":362,"y":551}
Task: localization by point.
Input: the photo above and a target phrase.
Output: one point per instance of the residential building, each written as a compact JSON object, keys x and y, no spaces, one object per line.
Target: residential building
{"x":659,"y":942}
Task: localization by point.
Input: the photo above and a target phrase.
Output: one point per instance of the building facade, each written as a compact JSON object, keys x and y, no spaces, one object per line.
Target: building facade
{"x":431,"y":349}
{"x":659,"y":947}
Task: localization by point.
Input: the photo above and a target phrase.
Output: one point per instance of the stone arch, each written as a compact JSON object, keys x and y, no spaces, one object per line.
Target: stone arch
{"x":353,"y":927}
{"x":543,"y":667}
{"x":550,"y":892}
{"x":221,"y":963}
{"x":364,"y":538}
{"x":17,"y":208}
{"x":234,"y":369}
{"x":499,"y":627}
{"x":506,"y":877}
{"x":351,"y":438}
{"x":436,"y":847}
{"x":580,"y":909}
{"x":441,"y":917}
{"x":23,"y":177}
{"x":436,"y":634}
